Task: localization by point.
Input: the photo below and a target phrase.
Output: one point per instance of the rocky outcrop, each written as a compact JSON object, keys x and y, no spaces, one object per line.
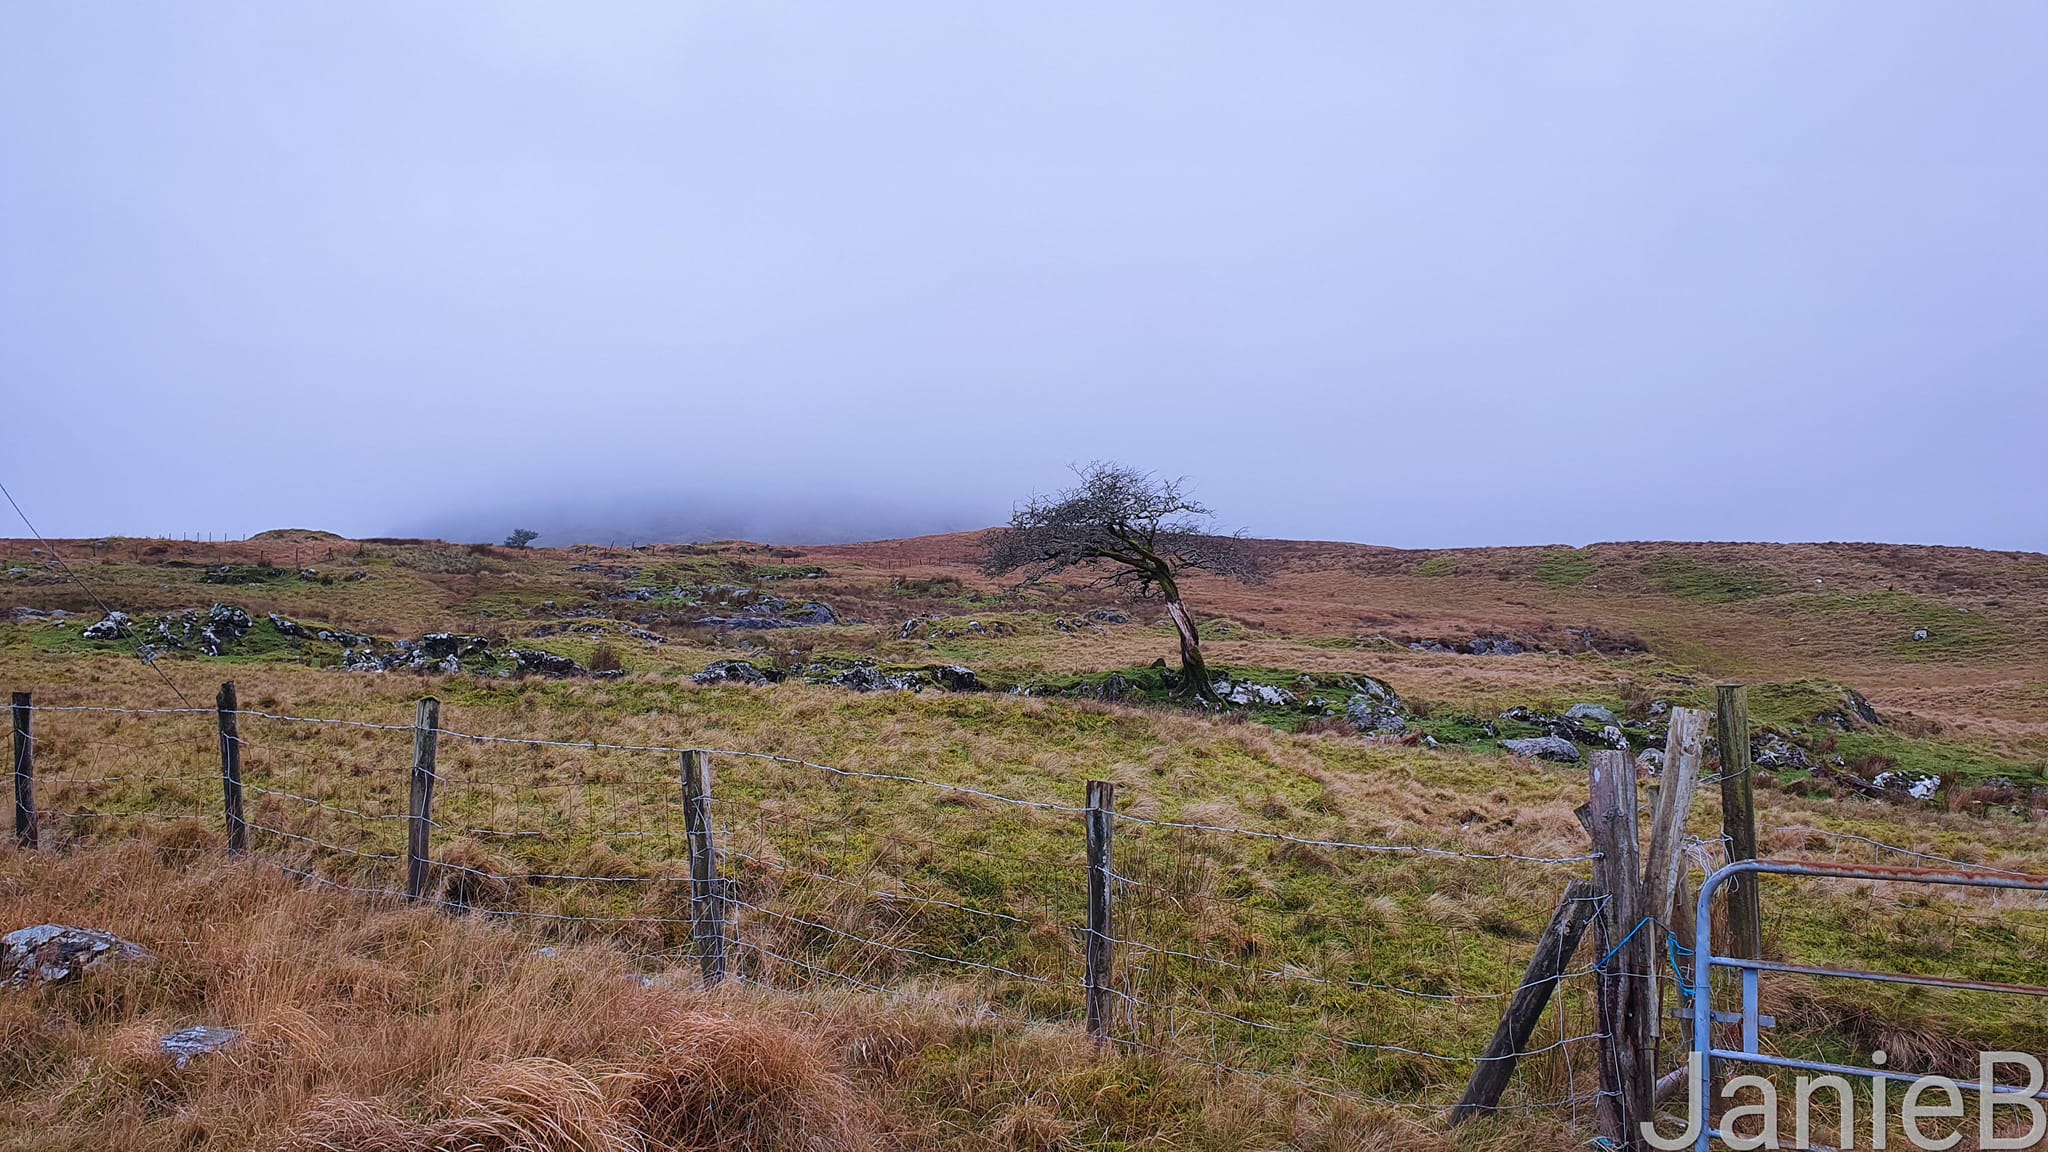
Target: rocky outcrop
{"x":49,"y":953}
{"x":772,"y":612}
{"x":1593,"y":713}
{"x":1376,"y":710}
{"x":1248,"y":692}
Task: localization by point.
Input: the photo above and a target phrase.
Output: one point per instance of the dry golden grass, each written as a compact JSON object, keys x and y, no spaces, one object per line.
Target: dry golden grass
{"x":380,"y":1028}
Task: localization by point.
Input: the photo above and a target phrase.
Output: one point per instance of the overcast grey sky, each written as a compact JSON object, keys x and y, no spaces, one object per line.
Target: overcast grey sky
{"x":1415,"y":274}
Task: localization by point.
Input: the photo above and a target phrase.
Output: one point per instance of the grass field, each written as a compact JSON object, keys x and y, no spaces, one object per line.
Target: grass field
{"x":1325,"y":950}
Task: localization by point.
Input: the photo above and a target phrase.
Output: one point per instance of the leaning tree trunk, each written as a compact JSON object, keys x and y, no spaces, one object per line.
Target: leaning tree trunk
{"x":1194,"y":674}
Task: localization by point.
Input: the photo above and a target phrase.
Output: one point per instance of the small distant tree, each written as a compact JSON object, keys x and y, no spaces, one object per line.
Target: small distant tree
{"x":1144,"y":532}
{"x":521,"y":537}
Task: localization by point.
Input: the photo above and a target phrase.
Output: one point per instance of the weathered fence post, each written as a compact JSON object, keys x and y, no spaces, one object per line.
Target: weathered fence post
{"x":231,"y":769}
{"x":1554,"y":951}
{"x":707,"y":894}
{"x":419,"y":858}
{"x":1626,"y":1075}
{"x":1101,"y":936}
{"x":1738,"y":818}
{"x":1665,"y":864}
{"x":24,"y":772}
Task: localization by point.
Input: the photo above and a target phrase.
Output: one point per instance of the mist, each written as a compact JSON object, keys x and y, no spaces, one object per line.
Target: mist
{"x":1414,"y":275}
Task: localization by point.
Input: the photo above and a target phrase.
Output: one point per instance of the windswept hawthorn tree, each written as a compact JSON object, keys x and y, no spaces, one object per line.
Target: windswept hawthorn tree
{"x":1142,"y":531}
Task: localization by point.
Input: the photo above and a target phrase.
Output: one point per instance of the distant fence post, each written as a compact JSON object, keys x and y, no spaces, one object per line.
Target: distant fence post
{"x":1101,"y":938}
{"x":1627,"y":1076}
{"x":231,"y":769}
{"x":24,"y":772}
{"x":426,"y":733}
{"x":1553,"y":952}
{"x":1738,"y":818}
{"x":707,"y":894}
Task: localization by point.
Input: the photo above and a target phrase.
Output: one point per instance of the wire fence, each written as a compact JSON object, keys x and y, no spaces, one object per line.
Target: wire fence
{"x":1319,"y":964}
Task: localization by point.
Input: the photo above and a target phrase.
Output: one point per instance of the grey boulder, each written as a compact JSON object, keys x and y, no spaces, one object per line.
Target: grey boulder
{"x":1553,"y":748}
{"x":48,"y":953}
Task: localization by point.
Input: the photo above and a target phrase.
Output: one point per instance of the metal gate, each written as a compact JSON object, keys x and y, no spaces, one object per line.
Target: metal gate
{"x":1752,"y":971}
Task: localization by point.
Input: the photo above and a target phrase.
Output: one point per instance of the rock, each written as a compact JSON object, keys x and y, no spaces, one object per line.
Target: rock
{"x":644,"y":634}
{"x":1660,"y":708}
{"x":113,"y":627}
{"x":358,"y":574}
{"x":1920,"y":634}
{"x":288,"y":627}
{"x":1593,"y":712}
{"x":954,"y":678}
{"x":813,"y":614}
{"x":1651,"y":760}
{"x":730,"y":672}
{"x":1493,"y":646}
{"x":1612,"y":735}
{"x":1108,"y":616}
{"x":47,"y":953}
{"x":1246,"y":692}
{"x":25,"y":613}
{"x":531,"y":661}
{"x":442,"y":645}
{"x":186,"y":1043}
{"x":1917,"y":786}
{"x":1375,"y":708}
{"x":1771,"y":750}
{"x":1553,"y":748}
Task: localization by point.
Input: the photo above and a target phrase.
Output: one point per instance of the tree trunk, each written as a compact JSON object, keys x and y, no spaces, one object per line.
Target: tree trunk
{"x":1194,"y":674}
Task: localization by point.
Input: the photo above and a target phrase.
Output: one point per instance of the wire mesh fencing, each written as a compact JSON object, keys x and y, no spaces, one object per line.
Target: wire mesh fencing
{"x":1371,"y":971}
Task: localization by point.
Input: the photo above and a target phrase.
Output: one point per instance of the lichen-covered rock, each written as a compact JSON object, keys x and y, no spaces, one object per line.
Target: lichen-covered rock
{"x":1376,"y":709}
{"x":113,"y":627}
{"x":954,"y":678}
{"x":1553,"y":748}
{"x":1594,"y":713}
{"x":202,"y":1040}
{"x":1246,"y":692}
{"x":48,"y":953}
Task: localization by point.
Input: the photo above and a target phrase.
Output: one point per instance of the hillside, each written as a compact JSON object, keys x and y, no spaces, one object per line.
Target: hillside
{"x":1305,"y":903}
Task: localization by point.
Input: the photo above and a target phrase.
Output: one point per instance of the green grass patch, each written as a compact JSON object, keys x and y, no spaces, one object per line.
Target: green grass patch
{"x":1564,"y":568}
{"x":1689,"y":579}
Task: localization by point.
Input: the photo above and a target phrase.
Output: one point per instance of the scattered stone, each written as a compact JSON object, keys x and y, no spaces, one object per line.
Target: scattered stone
{"x":1660,"y":707}
{"x":1771,"y":750}
{"x":1108,"y":616}
{"x":954,"y":678}
{"x":1612,"y":735}
{"x":1651,"y":760}
{"x":358,"y":574}
{"x":1593,"y":712}
{"x":113,"y":627}
{"x":1553,"y":748}
{"x":643,"y":634}
{"x":1246,"y":692}
{"x":186,"y":1043}
{"x":48,"y":953}
{"x":1919,"y":633}
{"x":1917,"y":786}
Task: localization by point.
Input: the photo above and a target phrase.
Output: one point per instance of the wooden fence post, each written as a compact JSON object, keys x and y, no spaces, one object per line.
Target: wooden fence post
{"x":707,"y":893}
{"x":1626,"y":1075}
{"x":231,"y":769}
{"x":426,"y":733}
{"x":1554,"y":951}
{"x":1665,"y":865}
{"x":24,"y":772}
{"x":1738,"y":818}
{"x":1101,"y":935}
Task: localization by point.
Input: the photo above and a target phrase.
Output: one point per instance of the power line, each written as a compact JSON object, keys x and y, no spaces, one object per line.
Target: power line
{"x":83,"y":586}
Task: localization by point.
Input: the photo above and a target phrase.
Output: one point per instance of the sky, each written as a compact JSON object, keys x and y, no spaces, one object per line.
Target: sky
{"x":1425,"y":275}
